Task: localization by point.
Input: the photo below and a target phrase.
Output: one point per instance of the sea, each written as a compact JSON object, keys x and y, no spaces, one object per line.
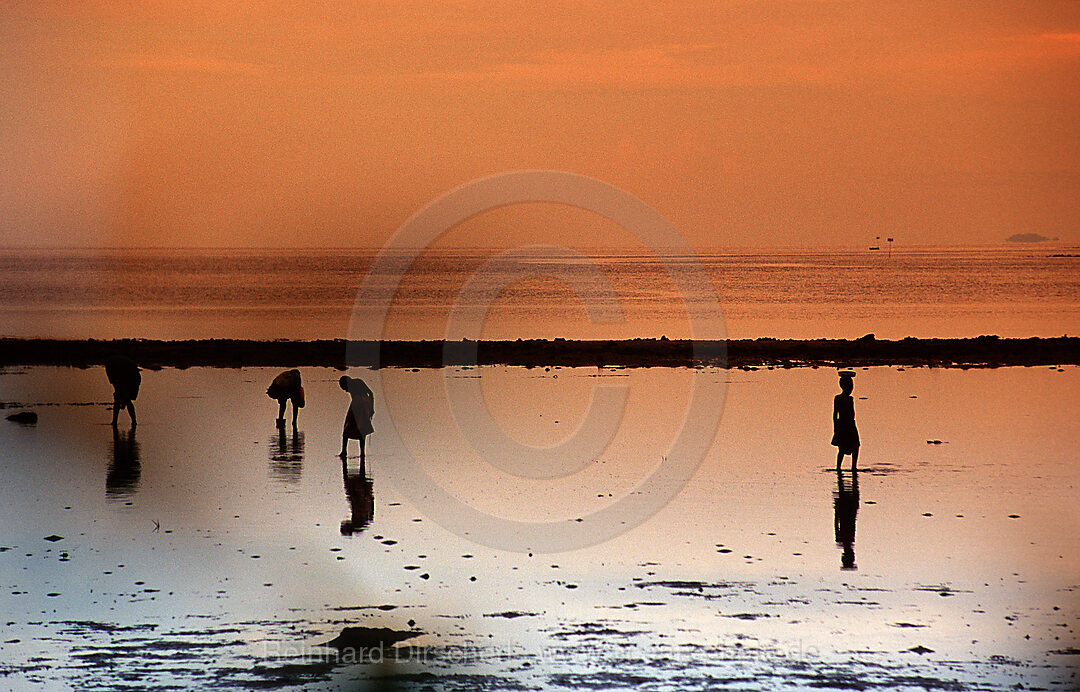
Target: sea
{"x":539,"y":292}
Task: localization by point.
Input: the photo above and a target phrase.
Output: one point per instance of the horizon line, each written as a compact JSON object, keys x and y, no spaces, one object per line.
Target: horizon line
{"x":998,"y":244}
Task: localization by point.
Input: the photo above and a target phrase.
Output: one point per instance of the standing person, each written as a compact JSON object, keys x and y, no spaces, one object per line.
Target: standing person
{"x":358,"y":417}
{"x":845,"y":435}
{"x":125,"y":378}
{"x":286,"y":387}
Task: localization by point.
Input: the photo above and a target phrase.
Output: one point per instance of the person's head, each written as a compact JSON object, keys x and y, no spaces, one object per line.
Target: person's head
{"x":343,"y":382}
{"x":847,"y":381}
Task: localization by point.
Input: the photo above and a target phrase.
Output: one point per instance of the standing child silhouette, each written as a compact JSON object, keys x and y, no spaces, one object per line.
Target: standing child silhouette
{"x":845,"y":435}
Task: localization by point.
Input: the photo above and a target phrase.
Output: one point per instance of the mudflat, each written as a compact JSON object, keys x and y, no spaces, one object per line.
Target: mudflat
{"x":206,"y":547}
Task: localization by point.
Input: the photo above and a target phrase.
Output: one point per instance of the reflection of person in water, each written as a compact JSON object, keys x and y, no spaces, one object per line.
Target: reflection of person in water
{"x":287,"y":387}
{"x":845,"y":507}
{"x":125,"y":378}
{"x":360,"y":492}
{"x":358,"y":417}
{"x":122,"y":478}
{"x":286,"y":455}
{"x":845,"y":435}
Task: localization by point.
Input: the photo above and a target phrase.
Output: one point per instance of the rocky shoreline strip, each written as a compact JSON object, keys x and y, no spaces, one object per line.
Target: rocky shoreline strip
{"x":982,"y":351}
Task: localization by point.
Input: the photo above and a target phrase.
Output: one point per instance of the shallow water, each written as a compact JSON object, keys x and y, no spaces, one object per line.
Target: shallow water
{"x":207,"y":551}
{"x":315,"y":294}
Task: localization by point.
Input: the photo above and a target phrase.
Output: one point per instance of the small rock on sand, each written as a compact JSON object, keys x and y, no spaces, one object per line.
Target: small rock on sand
{"x":369,"y":637}
{"x":23,"y":418}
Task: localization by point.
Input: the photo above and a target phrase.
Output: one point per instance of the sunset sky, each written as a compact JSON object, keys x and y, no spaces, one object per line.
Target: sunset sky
{"x":766,"y":122}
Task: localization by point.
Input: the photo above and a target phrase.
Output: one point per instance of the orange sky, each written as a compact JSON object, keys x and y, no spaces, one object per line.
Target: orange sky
{"x":765,"y":122}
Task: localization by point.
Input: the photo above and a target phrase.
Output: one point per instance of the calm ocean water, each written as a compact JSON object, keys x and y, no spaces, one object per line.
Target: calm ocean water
{"x":307,"y":294}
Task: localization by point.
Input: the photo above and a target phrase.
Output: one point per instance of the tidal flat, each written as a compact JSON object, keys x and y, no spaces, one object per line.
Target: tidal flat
{"x":209,"y":549}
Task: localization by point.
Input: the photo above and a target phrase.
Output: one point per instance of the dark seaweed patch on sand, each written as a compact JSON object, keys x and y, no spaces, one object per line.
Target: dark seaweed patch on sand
{"x":700,"y":589}
{"x":595,"y":629}
{"x":511,"y":614}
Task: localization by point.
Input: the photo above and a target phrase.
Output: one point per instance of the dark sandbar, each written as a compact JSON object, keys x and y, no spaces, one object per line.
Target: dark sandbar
{"x":983,"y":351}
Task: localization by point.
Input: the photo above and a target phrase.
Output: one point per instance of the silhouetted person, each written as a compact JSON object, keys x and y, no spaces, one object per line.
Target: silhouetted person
{"x":287,"y":387}
{"x":358,"y":417}
{"x":845,"y":435}
{"x":122,"y":478}
{"x":286,"y":455}
{"x":125,"y":378}
{"x":360,"y":492}
{"x":845,"y":507}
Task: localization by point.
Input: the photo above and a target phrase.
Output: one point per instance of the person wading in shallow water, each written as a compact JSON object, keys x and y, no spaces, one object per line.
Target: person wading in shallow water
{"x":125,"y":378}
{"x":845,"y":435}
{"x":287,"y":387}
{"x":358,"y":417}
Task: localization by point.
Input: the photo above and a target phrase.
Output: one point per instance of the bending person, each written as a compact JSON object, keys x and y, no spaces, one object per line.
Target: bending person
{"x":358,"y":417}
{"x":125,"y":378}
{"x":287,"y":387}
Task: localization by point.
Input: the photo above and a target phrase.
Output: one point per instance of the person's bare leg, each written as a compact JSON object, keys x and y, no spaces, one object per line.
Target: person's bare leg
{"x":281,"y":410}
{"x":115,"y":412}
{"x":344,"y":441}
{"x":839,"y":458}
{"x":854,"y":458}
{"x":362,"y":438}
{"x":295,"y":412}
{"x":131,"y":412}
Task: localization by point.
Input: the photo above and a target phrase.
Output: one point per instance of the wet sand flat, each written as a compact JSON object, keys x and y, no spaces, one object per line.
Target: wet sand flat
{"x":206,"y":549}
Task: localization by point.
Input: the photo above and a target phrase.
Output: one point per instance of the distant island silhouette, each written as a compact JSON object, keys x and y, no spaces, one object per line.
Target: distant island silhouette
{"x":1028,"y":238}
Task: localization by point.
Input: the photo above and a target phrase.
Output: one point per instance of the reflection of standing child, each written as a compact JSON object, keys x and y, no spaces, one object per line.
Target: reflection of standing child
{"x":845,"y":509}
{"x":286,"y":387}
{"x":845,"y":435}
{"x":358,"y":417}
